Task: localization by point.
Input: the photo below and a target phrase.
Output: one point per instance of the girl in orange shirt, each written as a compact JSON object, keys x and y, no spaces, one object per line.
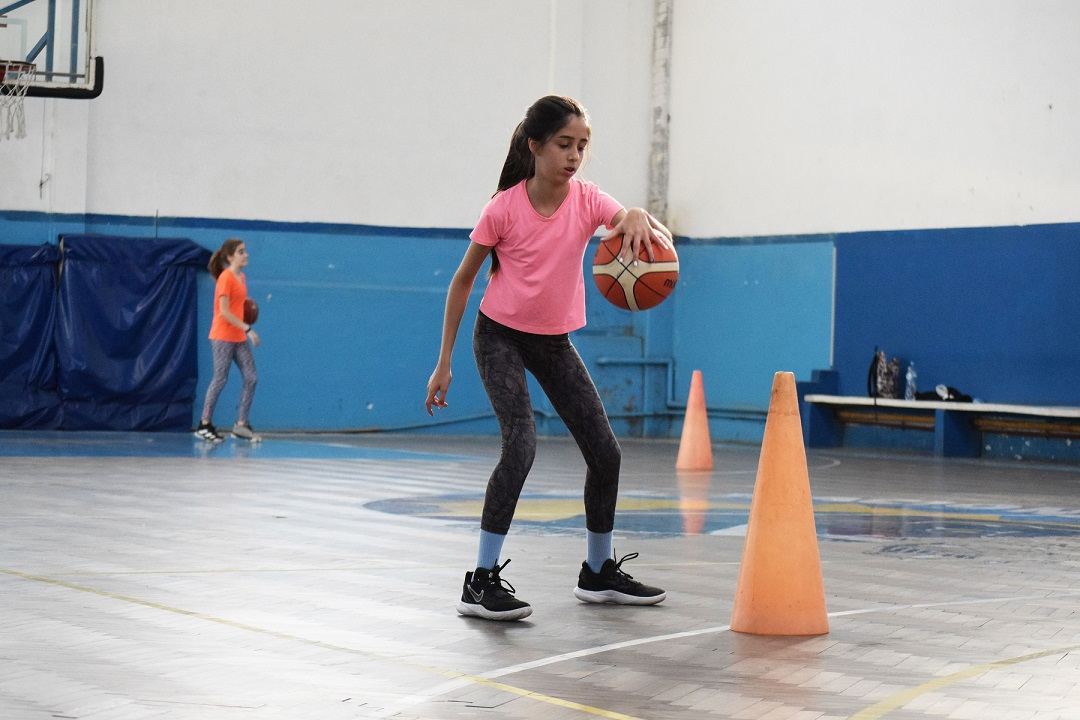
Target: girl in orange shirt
{"x":228,"y":340}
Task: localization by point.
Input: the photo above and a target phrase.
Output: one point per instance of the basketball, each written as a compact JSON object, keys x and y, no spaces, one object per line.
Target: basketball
{"x":634,"y":287}
{"x":251,"y":311}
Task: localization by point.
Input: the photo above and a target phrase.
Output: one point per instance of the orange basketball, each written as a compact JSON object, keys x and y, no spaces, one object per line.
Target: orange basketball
{"x":634,"y":287}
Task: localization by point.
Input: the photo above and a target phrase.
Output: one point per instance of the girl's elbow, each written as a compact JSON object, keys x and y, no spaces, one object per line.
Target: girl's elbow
{"x":463,"y":281}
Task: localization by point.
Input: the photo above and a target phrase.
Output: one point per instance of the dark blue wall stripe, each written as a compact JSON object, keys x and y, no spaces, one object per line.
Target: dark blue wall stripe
{"x":235,"y":225}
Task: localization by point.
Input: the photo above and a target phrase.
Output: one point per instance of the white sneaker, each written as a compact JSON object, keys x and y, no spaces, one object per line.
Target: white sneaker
{"x":245,"y":432}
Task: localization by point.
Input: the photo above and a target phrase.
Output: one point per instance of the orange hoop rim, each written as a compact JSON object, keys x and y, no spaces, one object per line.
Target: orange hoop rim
{"x":19,"y":66}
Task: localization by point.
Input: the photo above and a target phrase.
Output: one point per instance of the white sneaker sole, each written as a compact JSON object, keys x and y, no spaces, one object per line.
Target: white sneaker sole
{"x":616,"y":597}
{"x":482,"y":612}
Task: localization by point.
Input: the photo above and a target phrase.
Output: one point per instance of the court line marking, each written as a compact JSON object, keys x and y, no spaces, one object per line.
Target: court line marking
{"x":897,"y":700}
{"x":461,"y":679}
{"x":488,"y":678}
{"x":550,"y":700}
{"x":444,"y":688}
{"x":550,"y":511}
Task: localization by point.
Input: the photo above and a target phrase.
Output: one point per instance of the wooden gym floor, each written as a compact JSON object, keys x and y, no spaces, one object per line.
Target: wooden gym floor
{"x":152,"y":577}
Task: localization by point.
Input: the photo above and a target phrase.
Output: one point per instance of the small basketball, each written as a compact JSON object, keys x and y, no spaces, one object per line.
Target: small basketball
{"x":634,"y":287}
{"x":251,"y":311}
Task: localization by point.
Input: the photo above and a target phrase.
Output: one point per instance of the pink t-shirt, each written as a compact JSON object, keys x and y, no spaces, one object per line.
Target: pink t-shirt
{"x":539,"y":287}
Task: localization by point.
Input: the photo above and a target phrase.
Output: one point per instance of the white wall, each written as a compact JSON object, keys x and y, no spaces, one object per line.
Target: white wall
{"x":46,"y":170}
{"x":791,"y":117}
{"x":786,"y":117}
{"x":342,"y":111}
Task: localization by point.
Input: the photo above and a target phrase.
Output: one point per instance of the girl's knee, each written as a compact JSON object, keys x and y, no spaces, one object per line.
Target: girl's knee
{"x":519,"y":444}
{"x":615,"y":455}
{"x":608,"y":456}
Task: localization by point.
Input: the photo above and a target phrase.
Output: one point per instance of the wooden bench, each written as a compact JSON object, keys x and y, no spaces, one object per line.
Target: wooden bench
{"x":957,"y":427}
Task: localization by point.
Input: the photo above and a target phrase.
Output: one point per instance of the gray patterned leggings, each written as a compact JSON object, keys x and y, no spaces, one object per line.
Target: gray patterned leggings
{"x":225,"y":353}
{"x":502,"y":357}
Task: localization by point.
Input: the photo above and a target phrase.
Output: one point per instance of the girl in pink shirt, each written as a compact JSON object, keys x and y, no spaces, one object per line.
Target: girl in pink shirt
{"x":536,"y":229}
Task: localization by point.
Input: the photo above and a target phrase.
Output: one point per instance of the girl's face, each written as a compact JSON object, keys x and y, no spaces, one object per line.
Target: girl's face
{"x":559,"y":159}
{"x":239,"y":258}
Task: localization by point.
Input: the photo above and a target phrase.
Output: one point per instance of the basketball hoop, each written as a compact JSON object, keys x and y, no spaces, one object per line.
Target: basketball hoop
{"x":15,"y":77}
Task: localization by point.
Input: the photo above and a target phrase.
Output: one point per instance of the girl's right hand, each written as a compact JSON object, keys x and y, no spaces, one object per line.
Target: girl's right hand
{"x":254,"y":336}
{"x":639,"y":230}
{"x":437,"y":385}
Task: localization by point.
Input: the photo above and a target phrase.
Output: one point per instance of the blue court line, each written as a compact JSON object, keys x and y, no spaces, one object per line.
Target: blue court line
{"x":21,"y":443}
{"x":836,"y":518}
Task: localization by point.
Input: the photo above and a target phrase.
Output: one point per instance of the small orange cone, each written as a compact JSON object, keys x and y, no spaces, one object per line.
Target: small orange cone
{"x":780,"y":589}
{"x":695,"y":446}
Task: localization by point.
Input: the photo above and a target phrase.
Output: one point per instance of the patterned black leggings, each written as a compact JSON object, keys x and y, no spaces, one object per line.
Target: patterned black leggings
{"x":502,"y":357}
{"x":225,"y":353}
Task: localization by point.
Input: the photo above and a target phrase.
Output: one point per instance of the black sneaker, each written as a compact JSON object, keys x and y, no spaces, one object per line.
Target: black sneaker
{"x":207,"y":431}
{"x":484,"y":595}
{"x":612,"y":585}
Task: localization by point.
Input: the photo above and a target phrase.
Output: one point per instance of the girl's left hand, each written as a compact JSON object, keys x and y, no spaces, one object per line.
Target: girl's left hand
{"x":639,"y":227}
{"x":254,"y":337}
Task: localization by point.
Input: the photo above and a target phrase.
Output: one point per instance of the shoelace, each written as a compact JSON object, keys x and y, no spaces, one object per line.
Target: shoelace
{"x":618,"y":565}
{"x":499,"y":582}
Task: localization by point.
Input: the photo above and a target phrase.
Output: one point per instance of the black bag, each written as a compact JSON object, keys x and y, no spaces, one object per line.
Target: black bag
{"x":945,"y":393}
{"x":883,"y":377}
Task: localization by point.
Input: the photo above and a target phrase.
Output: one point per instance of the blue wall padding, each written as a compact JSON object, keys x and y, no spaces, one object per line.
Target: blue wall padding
{"x":993,"y":312}
{"x":28,"y":394}
{"x":126,"y":332}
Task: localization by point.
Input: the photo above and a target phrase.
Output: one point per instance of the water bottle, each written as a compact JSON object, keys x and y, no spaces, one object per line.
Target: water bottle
{"x":911,"y":382}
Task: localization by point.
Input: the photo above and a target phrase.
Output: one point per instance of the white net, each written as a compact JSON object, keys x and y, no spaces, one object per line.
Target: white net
{"x":15,"y":80}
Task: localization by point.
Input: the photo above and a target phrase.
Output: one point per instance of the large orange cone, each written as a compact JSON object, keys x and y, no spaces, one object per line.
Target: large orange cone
{"x":695,"y":446}
{"x":780,"y":589}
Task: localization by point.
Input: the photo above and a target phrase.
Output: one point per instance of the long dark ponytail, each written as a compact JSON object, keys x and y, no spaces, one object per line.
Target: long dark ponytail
{"x":543,"y":119}
{"x":519,"y":163}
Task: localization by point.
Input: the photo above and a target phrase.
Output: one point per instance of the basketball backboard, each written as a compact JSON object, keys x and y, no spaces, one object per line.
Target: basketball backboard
{"x":57,"y":37}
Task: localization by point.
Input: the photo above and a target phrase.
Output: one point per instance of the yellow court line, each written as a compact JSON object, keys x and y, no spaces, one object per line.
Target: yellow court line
{"x":897,"y":700}
{"x":599,"y":712}
{"x":539,"y":697}
{"x":888,"y":511}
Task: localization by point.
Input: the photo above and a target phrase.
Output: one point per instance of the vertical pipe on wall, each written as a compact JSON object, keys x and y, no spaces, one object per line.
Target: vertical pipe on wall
{"x":50,"y":33}
{"x":73,"y":63}
{"x":832,"y":313}
{"x":659,"y":158}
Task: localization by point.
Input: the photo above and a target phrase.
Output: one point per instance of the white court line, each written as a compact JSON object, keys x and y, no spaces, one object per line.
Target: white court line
{"x":443,"y":688}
